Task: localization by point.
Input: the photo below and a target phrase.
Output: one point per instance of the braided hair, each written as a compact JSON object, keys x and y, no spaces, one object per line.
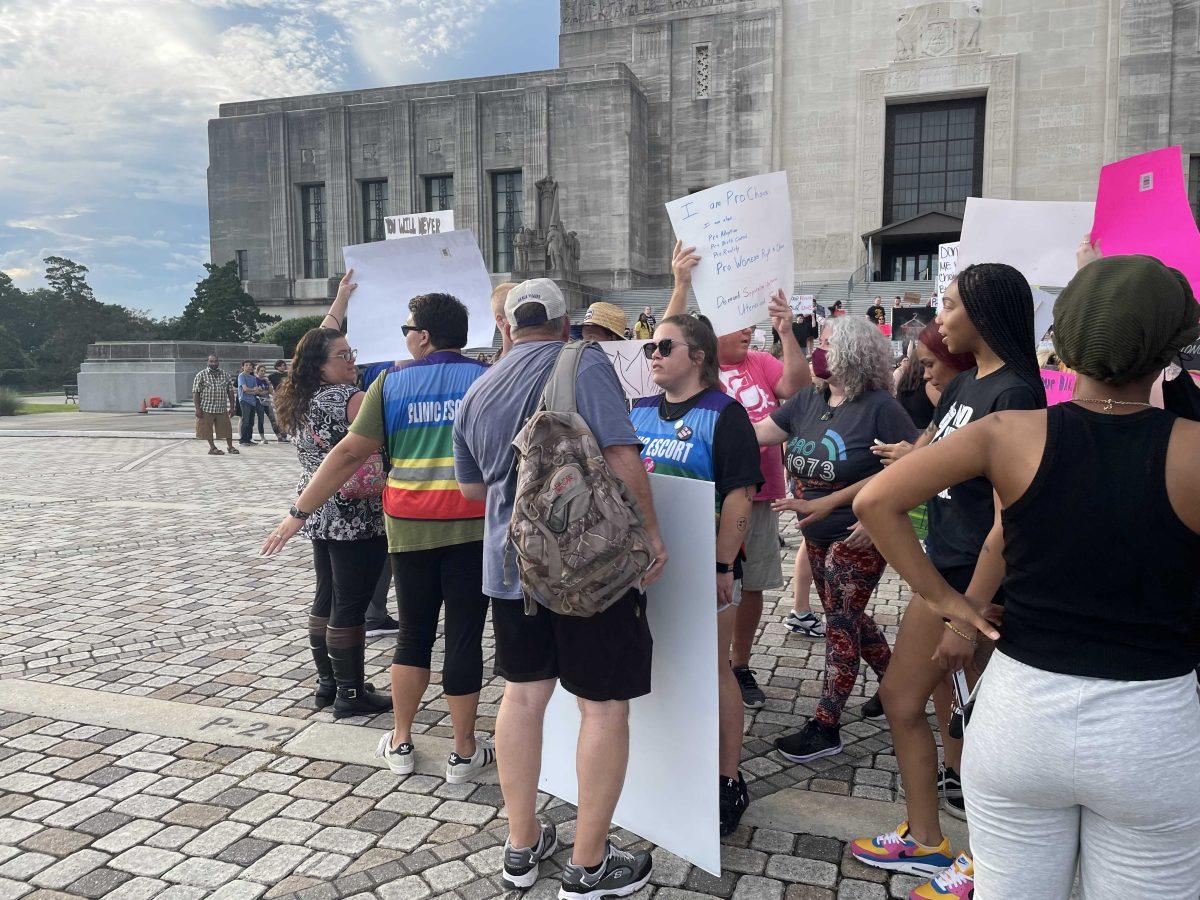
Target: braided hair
{"x":999,"y":303}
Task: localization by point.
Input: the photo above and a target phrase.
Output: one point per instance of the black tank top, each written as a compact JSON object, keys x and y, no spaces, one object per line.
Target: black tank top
{"x":1103,"y":578}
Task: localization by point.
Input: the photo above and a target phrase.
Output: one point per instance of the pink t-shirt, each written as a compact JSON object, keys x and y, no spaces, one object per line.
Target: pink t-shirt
{"x":752,"y":384}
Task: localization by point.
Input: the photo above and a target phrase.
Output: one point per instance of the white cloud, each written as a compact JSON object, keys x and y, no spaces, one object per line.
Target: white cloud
{"x":104,"y":105}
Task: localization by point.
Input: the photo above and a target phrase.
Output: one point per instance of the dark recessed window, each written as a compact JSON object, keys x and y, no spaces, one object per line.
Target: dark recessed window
{"x":439,"y":193}
{"x":1194,"y":185}
{"x":243,"y":266}
{"x":506,"y":218}
{"x":374,"y":208}
{"x":934,"y":158}
{"x":312,"y":201}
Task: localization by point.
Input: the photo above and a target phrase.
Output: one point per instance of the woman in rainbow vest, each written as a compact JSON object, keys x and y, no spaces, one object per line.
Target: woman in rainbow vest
{"x":695,"y":430}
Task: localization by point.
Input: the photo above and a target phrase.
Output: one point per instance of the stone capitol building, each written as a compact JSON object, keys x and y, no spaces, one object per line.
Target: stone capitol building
{"x":885,"y":115}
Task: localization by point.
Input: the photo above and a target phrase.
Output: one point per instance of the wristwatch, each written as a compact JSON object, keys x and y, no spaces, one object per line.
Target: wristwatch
{"x":295,"y":513}
{"x":724,"y":568}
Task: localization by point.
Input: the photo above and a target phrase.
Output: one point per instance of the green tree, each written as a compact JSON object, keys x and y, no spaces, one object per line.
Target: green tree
{"x":68,"y":278}
{"x":288,"y":332}
{"x":220,"y":310}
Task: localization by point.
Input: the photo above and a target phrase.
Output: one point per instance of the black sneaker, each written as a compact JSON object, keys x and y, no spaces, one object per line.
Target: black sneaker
{"x":950,"y":790}
{"x":734,"y":800}
{"x":813,"y":741}
{"x":387,"y":626}
{"x":873,"y":708}
{"x":752,"y":695}
{"x":808,"y":624}
{"x":618,"y":875}
{"x":521,"y":866}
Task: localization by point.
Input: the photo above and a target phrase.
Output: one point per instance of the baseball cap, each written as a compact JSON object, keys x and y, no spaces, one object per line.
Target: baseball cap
{"x":608,"y":316}
{"x":541,"y":299}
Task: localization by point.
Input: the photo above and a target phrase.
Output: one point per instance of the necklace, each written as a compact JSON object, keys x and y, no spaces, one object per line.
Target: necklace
{"x":832,"y":410}
{"x":1109,"y":402}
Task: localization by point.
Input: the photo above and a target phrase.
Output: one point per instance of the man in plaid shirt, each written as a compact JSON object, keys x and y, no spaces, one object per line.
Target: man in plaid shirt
{"x":214,"y":398}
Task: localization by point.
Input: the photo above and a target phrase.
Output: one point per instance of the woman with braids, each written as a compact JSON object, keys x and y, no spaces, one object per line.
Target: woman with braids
{"x":694,"y":430}
{"x":987,"y":312}
{"x":829,"y":433}
{"x":317,"y":403}
{"x":1084,"y":746}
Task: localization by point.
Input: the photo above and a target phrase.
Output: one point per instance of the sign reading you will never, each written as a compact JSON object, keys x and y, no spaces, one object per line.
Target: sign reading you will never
{"x":742,"y":232}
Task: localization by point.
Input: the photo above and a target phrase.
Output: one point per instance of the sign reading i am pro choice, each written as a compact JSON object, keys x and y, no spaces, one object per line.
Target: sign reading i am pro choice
{"x":742,"y":232}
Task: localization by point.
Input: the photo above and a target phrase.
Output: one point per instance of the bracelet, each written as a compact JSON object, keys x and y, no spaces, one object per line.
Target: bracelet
{"x":972,"y":641}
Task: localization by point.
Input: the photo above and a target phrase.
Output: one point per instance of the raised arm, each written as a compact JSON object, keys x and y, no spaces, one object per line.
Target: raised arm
{"x":683,"y":260}
{"x":796,"y":373}
{"x":336,"y":317}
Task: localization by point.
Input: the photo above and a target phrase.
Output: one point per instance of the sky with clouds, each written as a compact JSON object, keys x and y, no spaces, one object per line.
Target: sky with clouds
{"x":104,"y":106}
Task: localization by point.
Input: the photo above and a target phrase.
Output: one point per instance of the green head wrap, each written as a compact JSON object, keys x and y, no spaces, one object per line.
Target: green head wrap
{"x":1124,"y":317}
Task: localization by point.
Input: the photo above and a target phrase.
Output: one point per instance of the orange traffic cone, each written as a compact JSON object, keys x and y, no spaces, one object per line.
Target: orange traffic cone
{"x":145,"y":410}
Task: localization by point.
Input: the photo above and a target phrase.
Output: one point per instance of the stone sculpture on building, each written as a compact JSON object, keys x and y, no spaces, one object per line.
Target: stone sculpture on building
{"x":548,"y":215}
{"x":931,"y":30}
{"x":522,"y":241}
{"x":556,"y":248}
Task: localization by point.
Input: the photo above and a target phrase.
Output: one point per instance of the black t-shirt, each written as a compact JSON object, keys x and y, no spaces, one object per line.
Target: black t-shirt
{"x":829,"y":449}
{"x":276,"y":378}
{"x":961,"y":516}
{"x":918,"y":406}
{"x":877,"y":314}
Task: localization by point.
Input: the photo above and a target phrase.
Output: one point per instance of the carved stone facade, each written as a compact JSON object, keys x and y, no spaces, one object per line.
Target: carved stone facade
{"x":654,"y":99}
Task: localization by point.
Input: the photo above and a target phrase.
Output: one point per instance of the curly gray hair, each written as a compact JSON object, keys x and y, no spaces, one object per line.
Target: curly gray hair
{"x":859,"y":355}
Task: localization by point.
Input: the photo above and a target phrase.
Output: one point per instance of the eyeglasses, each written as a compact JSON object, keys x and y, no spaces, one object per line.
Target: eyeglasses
{"x":348,"y":355}
{"x":406,"y":330}
{"x":664,"y":348}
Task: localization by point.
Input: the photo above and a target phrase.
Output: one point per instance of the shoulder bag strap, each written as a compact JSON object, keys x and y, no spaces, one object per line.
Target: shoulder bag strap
{"x":559,"y":395}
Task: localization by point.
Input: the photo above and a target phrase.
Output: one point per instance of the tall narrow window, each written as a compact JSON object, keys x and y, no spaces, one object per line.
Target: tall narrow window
{"x":701,"y":75}
{"x":1194,"y":185}
{"x":312,"y":201}
{"x":439,"y":193}
{"x":934,"y":158}
{"x":374,"y":208}
{"x":242,"y":266}
{"x":506,"y":218}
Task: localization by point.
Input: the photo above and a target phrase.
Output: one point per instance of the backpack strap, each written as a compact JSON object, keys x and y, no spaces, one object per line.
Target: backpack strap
{"x":559,"y":395}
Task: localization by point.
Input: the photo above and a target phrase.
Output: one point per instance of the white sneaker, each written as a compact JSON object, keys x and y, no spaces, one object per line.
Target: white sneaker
{"x":459,"y":769}
{"x":400,"y":760}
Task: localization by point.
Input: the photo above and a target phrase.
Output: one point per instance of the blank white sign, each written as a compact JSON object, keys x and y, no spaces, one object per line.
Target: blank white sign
{"x":391,"y":273}
{"x":670,"y":794}
{"x":1036,"y":237}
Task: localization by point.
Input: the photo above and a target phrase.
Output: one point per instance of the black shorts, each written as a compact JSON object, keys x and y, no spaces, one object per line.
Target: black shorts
{"x":601,"y":657}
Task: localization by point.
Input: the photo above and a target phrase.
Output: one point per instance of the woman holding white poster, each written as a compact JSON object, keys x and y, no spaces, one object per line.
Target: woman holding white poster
{"x":695,"y":430}
{"x":830,"y":431}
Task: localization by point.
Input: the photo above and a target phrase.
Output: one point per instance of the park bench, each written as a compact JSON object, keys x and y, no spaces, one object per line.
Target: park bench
{"x":71,"y":392}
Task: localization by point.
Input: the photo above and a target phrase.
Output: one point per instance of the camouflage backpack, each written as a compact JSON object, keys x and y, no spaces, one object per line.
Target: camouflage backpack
{"x":579,"y":537}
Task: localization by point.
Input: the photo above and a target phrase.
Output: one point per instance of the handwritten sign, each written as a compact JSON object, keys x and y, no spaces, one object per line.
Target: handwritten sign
{"x":414,"y":224}
{"x":947,"y":268}
{"x":802,"y":304}
{"x":742,"y":232}
{"x":1142,"y":207}
{"x":632,"y":368}
{"x":1036,"y":237}
{"x":1060,"y":386}
{"x":390,"y":273}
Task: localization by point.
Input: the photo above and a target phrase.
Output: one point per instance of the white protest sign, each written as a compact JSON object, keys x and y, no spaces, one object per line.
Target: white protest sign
{"x":742,"y":232}
{"x":760,"y":336}
{"x":1036,"y":237}
{"x":390,"y":273}
{"x":946,"y":270}
{"x":802,"y":304}
{"x":1043,"y":312}
{"x":414,"y":224}
{"x":632,"y":368}
{"x":670,"y":793}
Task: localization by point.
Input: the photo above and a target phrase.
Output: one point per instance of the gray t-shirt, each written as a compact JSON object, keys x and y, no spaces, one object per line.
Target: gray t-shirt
{"x":495,"y":409}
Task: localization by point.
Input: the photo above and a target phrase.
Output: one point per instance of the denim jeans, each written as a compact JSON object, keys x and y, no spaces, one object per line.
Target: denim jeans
{"x":248,"y":410}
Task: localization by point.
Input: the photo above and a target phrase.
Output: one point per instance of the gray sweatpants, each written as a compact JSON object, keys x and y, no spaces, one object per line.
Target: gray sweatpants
{"x":1059,"y":770}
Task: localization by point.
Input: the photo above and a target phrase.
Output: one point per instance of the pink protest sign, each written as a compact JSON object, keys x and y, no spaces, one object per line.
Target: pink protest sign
{"x":1142,"y":207}
{"x":1060,"y":386}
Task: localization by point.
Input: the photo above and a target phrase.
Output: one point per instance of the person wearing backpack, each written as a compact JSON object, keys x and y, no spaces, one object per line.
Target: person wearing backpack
{"x":695,"y":430}
{"x":602,"y":658}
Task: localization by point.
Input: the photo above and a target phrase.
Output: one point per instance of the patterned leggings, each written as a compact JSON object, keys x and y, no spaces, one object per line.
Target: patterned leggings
{"x":845,"y":579}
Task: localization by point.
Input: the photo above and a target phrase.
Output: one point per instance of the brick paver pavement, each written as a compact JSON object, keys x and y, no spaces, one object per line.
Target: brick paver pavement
{"x":130,"y":566}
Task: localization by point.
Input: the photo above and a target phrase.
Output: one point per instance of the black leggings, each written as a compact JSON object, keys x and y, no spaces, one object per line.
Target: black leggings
{"x":347,"y":572}
{"x":427,"y":579}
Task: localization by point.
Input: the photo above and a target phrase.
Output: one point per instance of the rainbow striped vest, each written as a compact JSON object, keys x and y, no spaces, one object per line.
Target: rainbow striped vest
{"x":420,"y":400}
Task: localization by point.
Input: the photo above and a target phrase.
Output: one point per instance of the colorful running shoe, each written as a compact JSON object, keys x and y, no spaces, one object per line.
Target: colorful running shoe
{"x":898,"y":852}
{"x":955,"y":883}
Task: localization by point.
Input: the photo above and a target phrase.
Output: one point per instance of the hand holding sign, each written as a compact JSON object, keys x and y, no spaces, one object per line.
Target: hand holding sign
{"x":742,"y":234}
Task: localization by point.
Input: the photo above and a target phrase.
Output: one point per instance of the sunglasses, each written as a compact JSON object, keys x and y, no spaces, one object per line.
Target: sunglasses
{"x":348,"y":355}
{"x":664,"y":348}
{"x":406,"y":330}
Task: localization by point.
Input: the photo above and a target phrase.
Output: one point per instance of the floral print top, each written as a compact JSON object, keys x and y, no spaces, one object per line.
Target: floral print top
{"x":337,"y":519}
